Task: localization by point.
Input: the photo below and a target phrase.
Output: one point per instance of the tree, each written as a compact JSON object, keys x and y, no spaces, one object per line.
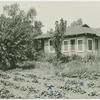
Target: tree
{"x":16,"y":35}
{"x":60,"y":29}
{"x":11,"y":10}
{"x":51,"y":31}
{"x":31,"y":14}
{"x":77,"y":23}
{"x":38,"y":25}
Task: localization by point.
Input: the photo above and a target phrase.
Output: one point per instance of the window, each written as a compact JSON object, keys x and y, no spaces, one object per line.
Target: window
{"x":89,"y":44}
{"x":72,"y":44}
{"x":51,"y":46}
{"x":80,"y":45}
{"x":96,"y":44}
{"x":65,"y":45}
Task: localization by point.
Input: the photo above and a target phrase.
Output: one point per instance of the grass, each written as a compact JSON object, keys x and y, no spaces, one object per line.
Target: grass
{"x":78,"y":69}
{"x":74,"y":79}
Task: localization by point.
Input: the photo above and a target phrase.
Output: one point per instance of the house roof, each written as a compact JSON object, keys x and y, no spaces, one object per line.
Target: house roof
{"x":74,"y":30}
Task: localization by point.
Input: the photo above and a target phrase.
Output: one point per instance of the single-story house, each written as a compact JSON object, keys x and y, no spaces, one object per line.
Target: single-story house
{"x":79,"y":40}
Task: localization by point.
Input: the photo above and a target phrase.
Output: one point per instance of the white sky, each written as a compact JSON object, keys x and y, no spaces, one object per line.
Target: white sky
{"x":49,"y":12}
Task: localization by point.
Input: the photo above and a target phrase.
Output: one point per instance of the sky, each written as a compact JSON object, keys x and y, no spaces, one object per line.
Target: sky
{"x":50,"y":11}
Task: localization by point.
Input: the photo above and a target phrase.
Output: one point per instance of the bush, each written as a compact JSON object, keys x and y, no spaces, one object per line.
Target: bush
{"x":39,"y":56}
{"x":89,"y":58}
{"x":81,"y":70}
{"x":50,"y":58}
{"x":6,"y":66}
{"x":5,"y":94}
{"x":65,"y":59}
{"x":53,"y":59}
{"x":75,"y":57}
{"x":72,"y":68}
{"x":27,"y":65}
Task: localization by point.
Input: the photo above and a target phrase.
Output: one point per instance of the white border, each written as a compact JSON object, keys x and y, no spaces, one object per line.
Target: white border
{"x":52,"y":0}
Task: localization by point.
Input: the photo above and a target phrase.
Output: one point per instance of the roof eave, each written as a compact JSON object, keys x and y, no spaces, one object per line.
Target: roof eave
{"x":92,"y":34}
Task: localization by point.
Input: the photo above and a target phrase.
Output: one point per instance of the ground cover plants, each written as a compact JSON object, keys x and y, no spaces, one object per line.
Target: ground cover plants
{"x":47,"y":80}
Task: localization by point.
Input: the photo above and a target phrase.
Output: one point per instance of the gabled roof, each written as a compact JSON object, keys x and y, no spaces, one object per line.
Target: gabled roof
{"x":74,"y":30}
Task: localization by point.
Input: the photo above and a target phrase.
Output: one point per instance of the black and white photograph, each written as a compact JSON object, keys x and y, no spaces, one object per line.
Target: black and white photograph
{"x":49,"y":49}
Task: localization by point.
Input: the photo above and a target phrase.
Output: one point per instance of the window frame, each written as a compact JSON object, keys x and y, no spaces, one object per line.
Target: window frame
{"x":63,"y":46}
{"x":98,"y":44}
{"x":51,"y":51}
{"x":82,"y":45}
{"x":88,"y":45}
{"x":75,"y":44}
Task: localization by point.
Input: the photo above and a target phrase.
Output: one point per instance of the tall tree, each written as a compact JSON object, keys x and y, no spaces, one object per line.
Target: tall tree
{"x":11,"y":10}
{"x":16,"y":31}
{"x":38,"y":25}
{"x":51,"y":31}
{"x":60,"y":29}
{"x":77,"y":23}
{"x":31,"y":14}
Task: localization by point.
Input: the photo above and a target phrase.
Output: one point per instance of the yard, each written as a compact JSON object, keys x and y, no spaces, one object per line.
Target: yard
{"x":48,"y":81}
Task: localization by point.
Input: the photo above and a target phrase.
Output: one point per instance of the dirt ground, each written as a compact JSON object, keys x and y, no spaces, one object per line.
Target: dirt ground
{"x":43,"y":83}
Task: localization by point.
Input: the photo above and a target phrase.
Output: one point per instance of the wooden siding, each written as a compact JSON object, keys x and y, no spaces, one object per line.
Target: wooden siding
{"x":82,"y":53}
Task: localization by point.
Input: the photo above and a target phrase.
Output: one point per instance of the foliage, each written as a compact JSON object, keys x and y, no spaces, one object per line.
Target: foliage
{"x":67,"y":58}
{"x":63,"y":58}
{"x":78,"y":69}
{"x":38,"y":25}
{"x":39,"y":56}
{"x":37,"y":43}
{"x":51,"y":31}
{"x":42,"y":82}
{"x":11,"y":10}
{"x":77,"y":23}
{"x":27,"y":65}
{"x":60,"y":29}
{"x":51,"y":58}
{"x":4,"y":93}
{"x":16,"y":35}
{"x":90,"y":58}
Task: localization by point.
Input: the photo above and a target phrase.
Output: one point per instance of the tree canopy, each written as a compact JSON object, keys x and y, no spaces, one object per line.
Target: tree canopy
{"x":77,"y":23}
{"x":60,"y":29}
{"x":16,"y":34}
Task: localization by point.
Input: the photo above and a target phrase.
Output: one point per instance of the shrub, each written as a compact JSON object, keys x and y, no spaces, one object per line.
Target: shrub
{"x":80,"y":70}
{"x":72,"y":68}
{"x":65,"y":59}
{"x":39,"y":56}
{"x":89,"y":58}
{"x":4,"y":93}
{"x":75,"y":57}
{"x":46,"y":65}
{"x":50,"y":58}
{"x":27,"y":65}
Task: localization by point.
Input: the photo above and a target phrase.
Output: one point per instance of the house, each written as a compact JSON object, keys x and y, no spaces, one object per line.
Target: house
{"x":79,"y":40}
